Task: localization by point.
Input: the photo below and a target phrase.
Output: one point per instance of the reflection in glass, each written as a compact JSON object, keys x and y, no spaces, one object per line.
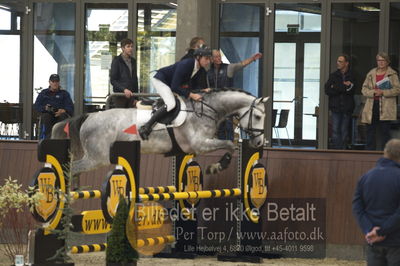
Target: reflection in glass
{"x":156,"y":39}
{"x":394,"y":36}
{"x":106,"y":26}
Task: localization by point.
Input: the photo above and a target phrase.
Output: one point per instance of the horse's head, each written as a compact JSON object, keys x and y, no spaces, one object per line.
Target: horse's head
{"x":251,"y":120}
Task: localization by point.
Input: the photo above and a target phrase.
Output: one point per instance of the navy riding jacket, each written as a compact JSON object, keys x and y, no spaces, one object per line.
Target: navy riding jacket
{"x":179,"y":74}
{"x":59,"y":100}
{"x":376,"y":201}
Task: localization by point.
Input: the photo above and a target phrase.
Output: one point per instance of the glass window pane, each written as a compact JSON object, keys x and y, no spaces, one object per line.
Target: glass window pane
{"x":240,"y":39}
{"x":249,"y":14}
{"x":106,"y":26}
{"x":311,"y":89}
{"x":155,"y":40}
{"x":9,"y":68}
{"x":394,"y":36}
{"x":355,"y":31}
{"x":237,"y":49}
{"x":306,"y":21}
{"x":5,"y":20}
{"x":285,"y":80}
{"x":54,"y":45}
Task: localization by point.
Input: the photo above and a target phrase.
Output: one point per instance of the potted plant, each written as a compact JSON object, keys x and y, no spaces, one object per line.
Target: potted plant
{"x":15,"y":219}
{"x":119,"y":251}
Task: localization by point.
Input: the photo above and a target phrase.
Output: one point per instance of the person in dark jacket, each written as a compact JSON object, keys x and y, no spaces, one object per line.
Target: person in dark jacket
{"x":200,"y":81}
{"x":340,"y":89}
{"x":376,"y":207}
{"x":123,"y":74}
{"x":54,"y":104}
{"x":220,"y":75}
{"x":174,"y":79}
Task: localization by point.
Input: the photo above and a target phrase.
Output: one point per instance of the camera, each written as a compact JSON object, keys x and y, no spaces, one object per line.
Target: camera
{"x":50,"y":109}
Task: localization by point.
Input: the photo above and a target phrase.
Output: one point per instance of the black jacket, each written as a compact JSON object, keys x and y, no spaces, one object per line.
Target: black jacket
{"x":341,"y":97}
{"x":121,"y":78}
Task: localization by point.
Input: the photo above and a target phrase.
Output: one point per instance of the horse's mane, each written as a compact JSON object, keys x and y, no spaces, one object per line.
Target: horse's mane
{"x":218,"y":90}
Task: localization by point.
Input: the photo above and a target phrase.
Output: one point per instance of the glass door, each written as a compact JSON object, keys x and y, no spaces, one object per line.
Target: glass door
{"x":296,"y":75}
{"x":106,"y":25}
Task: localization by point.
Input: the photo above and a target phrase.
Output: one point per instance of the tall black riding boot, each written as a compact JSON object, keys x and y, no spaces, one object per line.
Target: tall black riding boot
{"x":145,"y":130}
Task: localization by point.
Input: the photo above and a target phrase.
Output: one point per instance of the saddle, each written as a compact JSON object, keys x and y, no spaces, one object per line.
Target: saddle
{"x":154,"y":105}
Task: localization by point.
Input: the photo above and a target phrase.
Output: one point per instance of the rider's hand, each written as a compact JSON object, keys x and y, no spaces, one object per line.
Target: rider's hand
{"x":128,"y":93}
{"x":195,"y":96}
{"x":206,"y":90}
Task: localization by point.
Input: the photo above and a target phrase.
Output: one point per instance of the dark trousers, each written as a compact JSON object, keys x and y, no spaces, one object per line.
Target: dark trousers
{"x":225,"y":130}
{"x":47,"y":121}
{"x":340,"y":129}
{"x":383,"y":256}
{"x":377,"y":125}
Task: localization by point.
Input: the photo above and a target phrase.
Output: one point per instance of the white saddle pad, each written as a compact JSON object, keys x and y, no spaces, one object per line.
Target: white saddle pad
{"x":144,"y":115}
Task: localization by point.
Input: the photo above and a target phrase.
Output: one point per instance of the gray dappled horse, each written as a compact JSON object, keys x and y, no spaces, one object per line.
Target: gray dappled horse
{"x":93,"y":134}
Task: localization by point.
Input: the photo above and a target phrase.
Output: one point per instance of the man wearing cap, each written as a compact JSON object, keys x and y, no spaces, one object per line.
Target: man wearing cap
{"x":54,"y":104}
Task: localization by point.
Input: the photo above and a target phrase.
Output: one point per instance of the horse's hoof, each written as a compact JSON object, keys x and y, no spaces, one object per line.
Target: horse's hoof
{"x":213,"y":169}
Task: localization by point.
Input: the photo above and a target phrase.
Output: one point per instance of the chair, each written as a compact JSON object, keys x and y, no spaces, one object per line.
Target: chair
{"x":283,"y":120}
{"x":274,"y":114}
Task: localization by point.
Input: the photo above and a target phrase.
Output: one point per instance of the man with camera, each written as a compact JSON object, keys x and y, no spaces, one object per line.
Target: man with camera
{"x":54,"y":104}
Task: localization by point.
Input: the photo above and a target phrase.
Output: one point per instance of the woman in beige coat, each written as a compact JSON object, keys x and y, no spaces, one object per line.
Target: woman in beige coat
{"x":380,"y":107}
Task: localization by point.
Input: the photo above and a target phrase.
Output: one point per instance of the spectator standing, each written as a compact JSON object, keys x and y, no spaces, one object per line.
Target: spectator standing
{"x":340,"y":89}
{"x":123,"y":74}
{"x":381,"y":88}
{"x":376,"y":206}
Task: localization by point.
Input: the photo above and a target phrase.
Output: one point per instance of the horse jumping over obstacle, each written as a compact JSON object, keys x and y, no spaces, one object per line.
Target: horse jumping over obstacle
{"x":93,"y":134}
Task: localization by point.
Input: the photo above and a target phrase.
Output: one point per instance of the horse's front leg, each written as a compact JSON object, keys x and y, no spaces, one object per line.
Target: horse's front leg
{"x":210,"y":145}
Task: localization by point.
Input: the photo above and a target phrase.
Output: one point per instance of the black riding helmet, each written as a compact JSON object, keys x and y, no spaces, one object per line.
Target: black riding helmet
{"x":203,"y":51}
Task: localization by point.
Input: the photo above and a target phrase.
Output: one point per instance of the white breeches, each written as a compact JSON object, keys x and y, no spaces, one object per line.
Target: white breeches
{"x":165,"y":93}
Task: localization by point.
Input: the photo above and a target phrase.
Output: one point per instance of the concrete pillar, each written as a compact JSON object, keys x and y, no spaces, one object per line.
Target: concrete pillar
{"x":194,"y":19}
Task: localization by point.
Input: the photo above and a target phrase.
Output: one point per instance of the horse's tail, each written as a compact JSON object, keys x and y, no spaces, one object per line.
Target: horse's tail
{"x":69,"y":129}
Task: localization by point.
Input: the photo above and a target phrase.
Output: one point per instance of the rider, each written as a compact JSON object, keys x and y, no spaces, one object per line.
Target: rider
{"x":169,"y":80}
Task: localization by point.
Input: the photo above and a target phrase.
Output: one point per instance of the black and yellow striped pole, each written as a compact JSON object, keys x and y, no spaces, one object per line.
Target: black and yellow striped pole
{"x":204,"y":194}
{"x":150,"y":241}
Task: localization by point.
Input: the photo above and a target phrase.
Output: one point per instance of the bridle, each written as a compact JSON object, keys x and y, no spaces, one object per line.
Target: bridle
{"x":250,"y":130}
